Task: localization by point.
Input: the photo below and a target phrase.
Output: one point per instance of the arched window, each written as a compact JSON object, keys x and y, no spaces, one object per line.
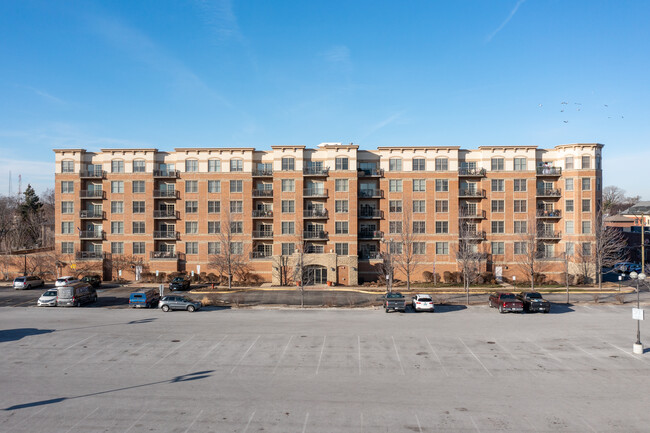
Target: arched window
{"x":139,"y":165}
{"x":191,"y":165}
{"x":214,"y":165}
{"x":419,"y":164}
{"x":395,"y":164}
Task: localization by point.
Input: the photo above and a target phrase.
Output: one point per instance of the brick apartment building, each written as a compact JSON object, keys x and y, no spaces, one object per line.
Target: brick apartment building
{"x":343,"y":204}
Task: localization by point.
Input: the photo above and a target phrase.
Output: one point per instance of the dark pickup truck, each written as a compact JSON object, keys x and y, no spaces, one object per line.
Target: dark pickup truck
{"x":394,"y":301}
{"x":533,"y":301}
{"x":506,"y":302}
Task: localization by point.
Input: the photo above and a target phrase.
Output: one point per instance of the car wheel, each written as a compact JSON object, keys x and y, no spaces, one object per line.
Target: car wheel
{"x":29,"y":287}
{"x":191,"y":308}
{"x":165,"y":308}
{"x":95,"y":299}
{"x":387,"y":310}
{"x":501,"y":309}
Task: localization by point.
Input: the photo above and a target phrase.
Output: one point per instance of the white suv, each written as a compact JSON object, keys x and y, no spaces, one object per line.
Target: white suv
{"x":64,"y":281}
{"x":422,"y":303}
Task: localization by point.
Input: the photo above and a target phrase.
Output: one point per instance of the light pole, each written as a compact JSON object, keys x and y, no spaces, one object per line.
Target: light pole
{"x":638,"y":346}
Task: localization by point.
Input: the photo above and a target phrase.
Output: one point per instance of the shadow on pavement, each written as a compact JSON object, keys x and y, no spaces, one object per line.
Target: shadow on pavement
{"x":110,"y":301}
{"x":19,"y":333}
{"x":557,"y":308}
{"x":449,"y":308}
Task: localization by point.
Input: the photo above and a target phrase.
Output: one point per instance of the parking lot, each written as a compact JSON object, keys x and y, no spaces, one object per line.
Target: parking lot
{"x":321,"y":370}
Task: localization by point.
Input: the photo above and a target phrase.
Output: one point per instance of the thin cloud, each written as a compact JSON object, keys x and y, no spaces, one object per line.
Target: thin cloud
{"x":38,"y":174}
{"x":507,"y":20}
{"x":44,"y":94}
{"x":220,"y":18}
{"x":382,"y":124}
{"x":337,"y":54}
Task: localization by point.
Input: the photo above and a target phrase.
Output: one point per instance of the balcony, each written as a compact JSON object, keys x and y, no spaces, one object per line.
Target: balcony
{"x":263,"y":173}
{"x":314,"y":193}
{"x":262,"y":193}
{"x":549,"y":235}
{"x":163,"y":255}
{"x":371,"y":214}
{"x":315,"y":234}
{"x":471,"y":172}
{"x":90,"y":255}
{"x":471,"y":193}
{"x":371,"y":193}
{"x":162,"y":193}
{"x":370,"y":255}
{"x":314,"y":249}
{"x":262,"y":213}
{"x":262,"y":234}
{"x":315,"y":213}
{"x":549,"y":192}
{"x":322,"y":171}
{"x":376,"y":172}
{"x":92,"y":234}
{"x":261,"y":255}
{"x":551,"y":214}
{"x":166,"y":174}
{"x":92,"y":215}
{"x":371,"y":234}
{"x":549,"y":171}
{"x":166,"y":214}
{"x":93,"y":174}
{"x":473,"y":235}
{"x":165,"y":235}
{"x":476,"y":214}
{"x":96,"y":194}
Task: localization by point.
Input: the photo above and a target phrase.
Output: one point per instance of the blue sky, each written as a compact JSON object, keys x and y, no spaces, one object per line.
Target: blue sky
{"x":188,"y":73}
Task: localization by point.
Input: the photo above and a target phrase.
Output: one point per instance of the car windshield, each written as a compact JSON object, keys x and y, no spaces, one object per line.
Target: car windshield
{"x":507,"y":296}
{"x":394,"y":295}
{"x":534,"y":295}
{"x":50,"y":293}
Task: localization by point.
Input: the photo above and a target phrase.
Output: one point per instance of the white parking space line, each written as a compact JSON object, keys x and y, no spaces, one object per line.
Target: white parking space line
{"x":244,"y":355}
{"x":475,"y":426}
{"x":134,"y":423}
{"x":79,"y":342}
{"x":82,"y":419}
{"x":505,"y":350}
{"x":588,"y":425}
{"x":193,"y":421}
{"x":398,"y":358}
{"x":174,"y":350}
{"x":437,"y":357}
{"x":359,"y":344}
{"x":548,"y":352}
{"x":249,"y":422}
{"x":322,"y":349}
{"x":209,"y":351}
{"x":476,"y":357}
{"x":625,"y":351}
{"x":31,"y":416}
{"x":304,"y":426}
{"x":583,"y":350}
{"x":110,"y":365}
{"x":361,"y":420}
{"x":418,"y":421}
{"x":588,"y":307}
{"x":282,"y":354}
{"x":86,"y":358}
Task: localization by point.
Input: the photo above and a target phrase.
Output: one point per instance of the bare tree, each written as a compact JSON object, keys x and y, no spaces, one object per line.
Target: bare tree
{"x":609,"y":246}
{"x":409,"y":236}
{"x":230,"y":259}
{"x":615,"y":200}
{"x":468,"y":256}
{"x":300,"y":273}
{"x":386,"y":269}
{"x":121,"y":262}
{"x":530,"y":256}
{"x":281,"y":269}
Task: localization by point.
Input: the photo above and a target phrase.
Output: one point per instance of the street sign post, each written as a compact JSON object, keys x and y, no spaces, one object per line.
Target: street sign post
{"x":637,"y":313}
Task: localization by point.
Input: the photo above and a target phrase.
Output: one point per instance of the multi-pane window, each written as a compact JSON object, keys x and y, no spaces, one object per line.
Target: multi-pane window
{"x":419,"y":185}
{"x":521,"y":226}
{"x":192,"y":186}
{"x":191,"y":165}
{"x":67,"y":187}
{"x":288,"y":248}
{"x":341,"y":163}
{"x":570,"y":249}
{"x":520,"y":248}
{"x":568,"y":206}
{"x":341,"y":227}
{"x":191,"y":227}
{"x":419,"y":227}
{"x":568,"y":183}
{"x":498,"y":248}
{"x":236,"y":165}
{"x":497,"y":164}
{"x":419,"y":206}
{"x":191,"y":247}
{"x":442,"y":185}
{"x":520,"y":205}
{"x":597,"y":184}
{"x":237,"y":227}
{"x":67,"y":207}
{"x":395,"y":206}
{"x":586,"y":205}
{"x":520,"y":185}
{"x":214,"y":186}
{"x":288,"y":206}
{"x":442,"y":227}
{"x":586,"y":162}
{"x":442,"y":164}
{"x":214,"y":227}
{"x":288,"y":185}
{"x":214,"y":248}
{"x":442,"y":205}
{"x":236,"y":206}
{"x":395,"y":227}
{"x":67,"y":166}
{"x":395,"y":247}
{"x":341,"y":249}
{"x":341,"y":206}
{"x":586,"y":249}
{"x":138,"y":227}
{"x":139,"y":166}
{"x":568,"y":227}
{"x":498,"y":205}
{"x":498,"y":227}
{"x":117,"y":187}
{"x":419,"y":164}
{"x":191,"y":206}
{"x":236,"y":186}
{"x":117,"y":227}
{"x":117,"y":207}
{"x":117,"y":247}
{"x":341,"y":185}
{"x":395,"y":185}
{"x":67,"y":247}
{"x":586,"y":184}
{"x":138,"y":248}
{"x":214,"y":206}
{"x":236,"y":247}
{"x":520,"y":164}
{"x":586,"y":227}
{"x":117,"y":166}
{"x":498,"y":185}
{"x":442,"y":248}
{"x":395,"y":164}
{"x":568,"y":163}
{"x":67,"y":228}
{"x":288,"y":164}
{"x":419,"y":247}
{"x":288,"y":227}
{"x":214,"y":165}
{"x":138,"y":186}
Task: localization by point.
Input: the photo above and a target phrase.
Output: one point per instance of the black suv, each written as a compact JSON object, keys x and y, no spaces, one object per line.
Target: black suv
{"x":94,"y":280}
{"x":179,"y":283}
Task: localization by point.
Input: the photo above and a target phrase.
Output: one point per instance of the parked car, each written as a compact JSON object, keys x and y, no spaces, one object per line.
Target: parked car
{"x":144,"y":298}
{"x":179,"y":283}
{"x":506,"y":302}
{"x":394,"y":301}
{"x":533,"y":301}
{"x":28,"y":282}
{"x":64,"y":281}
{"x":75,"y":294}
{"x":422,"y":303}
{"x":172,"y":302}
{"x":48,"y":299}
{"x":626,"y":267}
{"x":93,"y":280}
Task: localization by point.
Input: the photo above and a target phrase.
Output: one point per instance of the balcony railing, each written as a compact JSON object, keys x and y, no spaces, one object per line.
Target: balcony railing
{"x":262,"y":213}
{"x":93,"y":174}
{"x":473,"y":235}
{"x":92,"y":234}
{"x":311,"y":249}
{"x":555,"y":213}
{"x":262,"y":234}
{"x":163,"y":255}
{"x":477,"y":214}
{"x":165,"y":234}
{"x":371,"y":193}
{"x":549,"y":192}
{"x":92,"y":215}
{"x":262,"y":193}
{"x":471,"y":172}
{"x":549,"y":234}
{"x":166,"y":214}
{"x":310,"y":171}
{"x":314,"y":192}
{"x":263,"y":173}
{"x":472,"y":193}
{"x":92,"y":194}
{"x":165,"y":193}
{"x":315,"y":234}
{"x":371,"y":213}
{"x":375,"y":172}
{"x":371,"y":234}
{"x":90,"y":255}
{"x":370,"y":255}
{"x":166,"y":173}
{"x":315,"y":213}
{"x":549,"y":171}
{"x":261,"y":254}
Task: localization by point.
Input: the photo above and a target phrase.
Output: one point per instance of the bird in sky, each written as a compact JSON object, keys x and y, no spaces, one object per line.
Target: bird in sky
{"x":566,"y":121}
